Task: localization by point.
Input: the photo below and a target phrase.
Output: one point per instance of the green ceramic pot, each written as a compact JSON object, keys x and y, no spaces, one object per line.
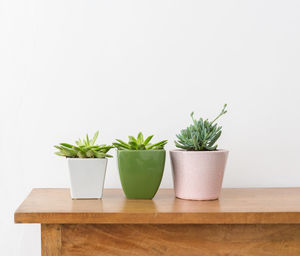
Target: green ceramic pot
{"x":141,"y":172}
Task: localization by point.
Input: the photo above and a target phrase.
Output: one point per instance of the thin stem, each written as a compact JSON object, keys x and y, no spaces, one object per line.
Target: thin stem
{"x":224,"y":111}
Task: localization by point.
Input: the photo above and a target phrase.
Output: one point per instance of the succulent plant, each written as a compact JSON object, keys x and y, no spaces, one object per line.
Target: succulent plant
{"x":201,"y":135}
{"x":85,"y":148}
{"x":139,"y":143}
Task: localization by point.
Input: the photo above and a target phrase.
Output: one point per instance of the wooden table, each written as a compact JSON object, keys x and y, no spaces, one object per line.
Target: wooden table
{"x":242,"y":222}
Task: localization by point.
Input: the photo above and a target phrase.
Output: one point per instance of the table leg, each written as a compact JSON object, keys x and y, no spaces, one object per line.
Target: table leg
{"x":51,"y":239}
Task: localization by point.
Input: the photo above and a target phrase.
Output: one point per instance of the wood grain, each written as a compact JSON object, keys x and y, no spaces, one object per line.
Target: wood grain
{"x":180,"y":240}
{"x":235,"y":206}
{"x":51,"y":240}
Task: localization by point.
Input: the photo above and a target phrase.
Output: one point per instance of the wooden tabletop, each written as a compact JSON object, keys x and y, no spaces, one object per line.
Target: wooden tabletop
{"x":235,"y":206}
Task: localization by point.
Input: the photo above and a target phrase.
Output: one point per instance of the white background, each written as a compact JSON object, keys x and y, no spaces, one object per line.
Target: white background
{"x":71,"y":67}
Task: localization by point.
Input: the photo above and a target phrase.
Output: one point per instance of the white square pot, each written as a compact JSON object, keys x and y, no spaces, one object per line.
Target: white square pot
{"x":87,"y":177}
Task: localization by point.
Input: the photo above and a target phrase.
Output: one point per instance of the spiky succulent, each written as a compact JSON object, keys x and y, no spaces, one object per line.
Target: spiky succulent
{"x":201,"y":135}
{"x":139,"y":143}
{"x":85,"y":148}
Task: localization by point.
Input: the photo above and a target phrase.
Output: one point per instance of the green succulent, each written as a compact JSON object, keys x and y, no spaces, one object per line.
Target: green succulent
{"x":85,"y":148}
{"x":139,"y":143}
{"x":201,"y":135}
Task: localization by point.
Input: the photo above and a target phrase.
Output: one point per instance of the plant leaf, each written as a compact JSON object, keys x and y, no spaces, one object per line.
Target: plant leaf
{"x":95,"y":138}
{"x":147,"y":140}
{"x":140,"y":138}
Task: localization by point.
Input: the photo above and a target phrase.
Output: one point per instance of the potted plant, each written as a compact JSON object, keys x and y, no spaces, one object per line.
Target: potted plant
{"x":141,"y":166}
{"x":87,"y":166}
{"x":198,"y":166}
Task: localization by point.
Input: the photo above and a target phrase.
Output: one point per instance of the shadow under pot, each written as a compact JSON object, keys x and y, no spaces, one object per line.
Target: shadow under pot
{"x":198,"y":175}
{"x":141,"y":172}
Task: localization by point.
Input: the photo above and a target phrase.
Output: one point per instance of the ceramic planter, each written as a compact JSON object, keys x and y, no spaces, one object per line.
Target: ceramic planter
{"x":198,"y":175}
{"x":87,"y":177}
{"x":141,"y":172}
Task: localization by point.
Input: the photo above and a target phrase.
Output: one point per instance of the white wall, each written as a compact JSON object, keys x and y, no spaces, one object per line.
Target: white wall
{"x":71,"y":67}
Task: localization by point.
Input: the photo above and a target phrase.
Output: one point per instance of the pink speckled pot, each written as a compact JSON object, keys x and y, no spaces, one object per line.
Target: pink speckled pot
{"x":198,"y":175}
